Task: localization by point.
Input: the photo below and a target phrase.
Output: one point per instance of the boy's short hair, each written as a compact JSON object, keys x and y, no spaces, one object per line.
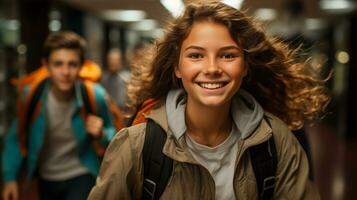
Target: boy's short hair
{"x":64,"y":39}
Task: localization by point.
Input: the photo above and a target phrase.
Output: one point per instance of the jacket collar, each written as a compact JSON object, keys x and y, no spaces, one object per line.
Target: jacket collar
{"x":177,"y":148}
{"x":245,"y":111}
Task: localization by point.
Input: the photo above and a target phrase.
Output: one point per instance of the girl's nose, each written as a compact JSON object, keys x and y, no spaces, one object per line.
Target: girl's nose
{"x":213,"y":67}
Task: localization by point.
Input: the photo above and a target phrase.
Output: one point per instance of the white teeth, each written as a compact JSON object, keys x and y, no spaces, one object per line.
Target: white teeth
{"x":211,"y":85}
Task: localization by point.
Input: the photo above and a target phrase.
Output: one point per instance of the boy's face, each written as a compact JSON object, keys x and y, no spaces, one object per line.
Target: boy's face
{"x":64,"y":66}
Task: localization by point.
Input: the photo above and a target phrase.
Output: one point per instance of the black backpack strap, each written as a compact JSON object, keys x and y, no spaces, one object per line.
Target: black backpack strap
{"x":304,"y":142}
{"x":85,"y":98}
{"x":264,"y":162}
{"x":157,"y":166}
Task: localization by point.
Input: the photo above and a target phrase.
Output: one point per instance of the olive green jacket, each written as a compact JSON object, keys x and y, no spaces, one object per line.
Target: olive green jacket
{"x":121,"y":174}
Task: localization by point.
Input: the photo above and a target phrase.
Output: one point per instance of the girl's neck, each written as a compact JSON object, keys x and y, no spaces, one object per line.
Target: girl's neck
{"x":208,"y":126}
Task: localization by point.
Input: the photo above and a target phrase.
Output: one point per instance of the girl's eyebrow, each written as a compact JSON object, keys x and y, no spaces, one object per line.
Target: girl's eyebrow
{"x":194,"y":47}
{"x":221,"y":49}
{"x":229,"y":48}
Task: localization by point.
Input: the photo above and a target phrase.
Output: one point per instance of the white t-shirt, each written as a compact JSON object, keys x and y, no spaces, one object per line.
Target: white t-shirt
{"x":59,"y":158}
{"x":219,"y":161}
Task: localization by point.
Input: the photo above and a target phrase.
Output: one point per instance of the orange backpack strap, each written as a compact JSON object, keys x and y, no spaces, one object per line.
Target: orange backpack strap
{"x":144,"y":109}
{"x":31,"y":78}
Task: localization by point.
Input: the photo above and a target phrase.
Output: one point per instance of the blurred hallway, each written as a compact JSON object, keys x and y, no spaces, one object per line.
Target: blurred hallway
{"x":328,"y":33}
{"x":335,"y":163}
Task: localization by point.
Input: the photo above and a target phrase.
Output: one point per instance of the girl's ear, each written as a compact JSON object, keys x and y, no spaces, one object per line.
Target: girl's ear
{"x":247,"y":74}
{"x":246,"y":69}
{"x":177,"y":72}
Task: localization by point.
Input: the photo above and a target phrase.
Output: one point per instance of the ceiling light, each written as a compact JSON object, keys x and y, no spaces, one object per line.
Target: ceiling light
{"x":54,"y":25}
{"x":266,"y":14}
{"x":175,"y":7}
{"x":342,"y":57}
{"x":315,"y":24}
{"x":338,"y":6}
{"x":144,"y":25}
{"x":233,"y":3}
{"x":124,"y":15}
{"x":13,"y":24}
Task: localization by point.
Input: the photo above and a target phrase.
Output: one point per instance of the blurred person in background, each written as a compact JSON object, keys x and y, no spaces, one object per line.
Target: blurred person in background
{"x":136,"y":53}
{"x":58,"y":137}
{"x":116,"y":78}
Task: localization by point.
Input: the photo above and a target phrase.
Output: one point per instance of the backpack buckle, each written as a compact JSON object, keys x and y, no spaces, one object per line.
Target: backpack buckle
{"x":268,"y":186}
{"x":149,"y":188}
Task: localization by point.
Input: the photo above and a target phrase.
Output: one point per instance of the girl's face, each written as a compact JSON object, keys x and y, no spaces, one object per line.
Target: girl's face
{"x":211,"y":65}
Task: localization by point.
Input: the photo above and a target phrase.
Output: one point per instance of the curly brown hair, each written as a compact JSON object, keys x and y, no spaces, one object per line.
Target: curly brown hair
{"x":284,"y":86}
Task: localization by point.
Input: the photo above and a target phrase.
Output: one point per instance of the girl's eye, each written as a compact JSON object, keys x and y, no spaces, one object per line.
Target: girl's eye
{"x":229,"y":56}
{"x":195,"y":55}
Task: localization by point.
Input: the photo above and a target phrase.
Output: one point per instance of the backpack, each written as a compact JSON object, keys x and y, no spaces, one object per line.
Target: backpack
{"x":37,"y":80}
{"x":158,"y":167}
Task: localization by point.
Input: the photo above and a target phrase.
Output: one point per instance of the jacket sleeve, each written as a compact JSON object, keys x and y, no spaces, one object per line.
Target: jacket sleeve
{"x":11,"y":155}
{"x":293,"y":168}
{"x":103,"y":111}
{"x":120,"y":175}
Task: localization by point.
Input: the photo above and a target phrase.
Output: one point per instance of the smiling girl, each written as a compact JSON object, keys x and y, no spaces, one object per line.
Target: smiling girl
{"x":220,"y":86}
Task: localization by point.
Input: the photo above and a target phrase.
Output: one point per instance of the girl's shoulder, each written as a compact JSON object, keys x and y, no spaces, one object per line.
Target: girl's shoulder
{"x":128,"y":141}
{"x":275,"y":123}
{"x":280,"y":130}
{"x":135,"y":133}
